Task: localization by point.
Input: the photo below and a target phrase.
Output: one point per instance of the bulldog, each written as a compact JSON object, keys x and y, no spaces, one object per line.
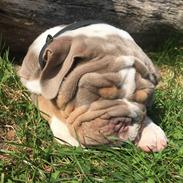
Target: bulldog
{"x":93,"y":84}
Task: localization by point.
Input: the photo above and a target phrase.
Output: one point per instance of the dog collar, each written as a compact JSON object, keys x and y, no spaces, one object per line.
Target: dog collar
{"x":50,"y":38}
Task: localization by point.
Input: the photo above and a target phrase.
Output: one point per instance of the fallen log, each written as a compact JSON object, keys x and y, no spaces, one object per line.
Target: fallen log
{"x":150,"y":22}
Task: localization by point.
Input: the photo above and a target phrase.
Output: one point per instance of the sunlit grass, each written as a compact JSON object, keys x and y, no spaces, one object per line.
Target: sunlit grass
{"x":29,"y":154}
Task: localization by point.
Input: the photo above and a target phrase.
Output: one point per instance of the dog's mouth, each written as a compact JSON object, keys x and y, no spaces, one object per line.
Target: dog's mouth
{"x":125,"y":128}
{"x":117,"y":130}
{"x":110,"y":124}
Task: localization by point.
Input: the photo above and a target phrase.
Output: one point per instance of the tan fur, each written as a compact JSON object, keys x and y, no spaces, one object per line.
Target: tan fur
{"x":109,"y":92}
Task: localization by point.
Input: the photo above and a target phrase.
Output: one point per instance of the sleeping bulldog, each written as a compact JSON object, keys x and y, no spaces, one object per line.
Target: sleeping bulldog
{"x":93,"y":83}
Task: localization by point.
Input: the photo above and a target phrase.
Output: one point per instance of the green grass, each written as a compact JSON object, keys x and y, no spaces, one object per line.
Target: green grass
{"x":29,"y":154}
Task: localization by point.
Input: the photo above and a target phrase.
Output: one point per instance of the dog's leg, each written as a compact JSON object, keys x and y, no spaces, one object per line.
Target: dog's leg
{"x":152,"y":137}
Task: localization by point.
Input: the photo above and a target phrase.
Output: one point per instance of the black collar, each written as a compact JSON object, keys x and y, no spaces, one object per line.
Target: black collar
{"x":50,"y":38}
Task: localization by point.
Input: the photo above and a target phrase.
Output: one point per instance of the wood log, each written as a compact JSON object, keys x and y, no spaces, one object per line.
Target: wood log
{"x":150,"y":22}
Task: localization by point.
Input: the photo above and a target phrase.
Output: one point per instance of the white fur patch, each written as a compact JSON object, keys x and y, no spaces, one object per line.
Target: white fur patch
{"x":99,"y":30}
{"x":128,"y":78}
{"x":32,"y":85}
{"x":61,"y":131}
{"x":127,"y":61}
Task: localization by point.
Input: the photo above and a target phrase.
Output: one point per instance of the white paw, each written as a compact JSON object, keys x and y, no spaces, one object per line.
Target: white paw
{"x":153,"y":138}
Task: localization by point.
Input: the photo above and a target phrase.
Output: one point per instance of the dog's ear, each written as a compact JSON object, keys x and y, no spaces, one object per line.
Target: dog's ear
{"x":59,"y":56}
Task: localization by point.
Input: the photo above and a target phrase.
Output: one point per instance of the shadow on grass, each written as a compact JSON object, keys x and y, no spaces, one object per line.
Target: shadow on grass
{"x":169,"y":54}
{"x":157,"y":113}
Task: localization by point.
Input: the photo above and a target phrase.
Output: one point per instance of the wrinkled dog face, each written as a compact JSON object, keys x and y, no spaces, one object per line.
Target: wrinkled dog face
{"x":134,"y":77}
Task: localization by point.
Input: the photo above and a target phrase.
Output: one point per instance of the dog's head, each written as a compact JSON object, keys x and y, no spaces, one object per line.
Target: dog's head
{"x":92,"y":64}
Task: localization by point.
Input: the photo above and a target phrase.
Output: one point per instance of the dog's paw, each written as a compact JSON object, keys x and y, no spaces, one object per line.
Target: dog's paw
{"x":152,"y":138}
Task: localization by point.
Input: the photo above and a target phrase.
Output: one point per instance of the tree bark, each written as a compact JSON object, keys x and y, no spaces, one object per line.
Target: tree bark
{"x":150,"y":22}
